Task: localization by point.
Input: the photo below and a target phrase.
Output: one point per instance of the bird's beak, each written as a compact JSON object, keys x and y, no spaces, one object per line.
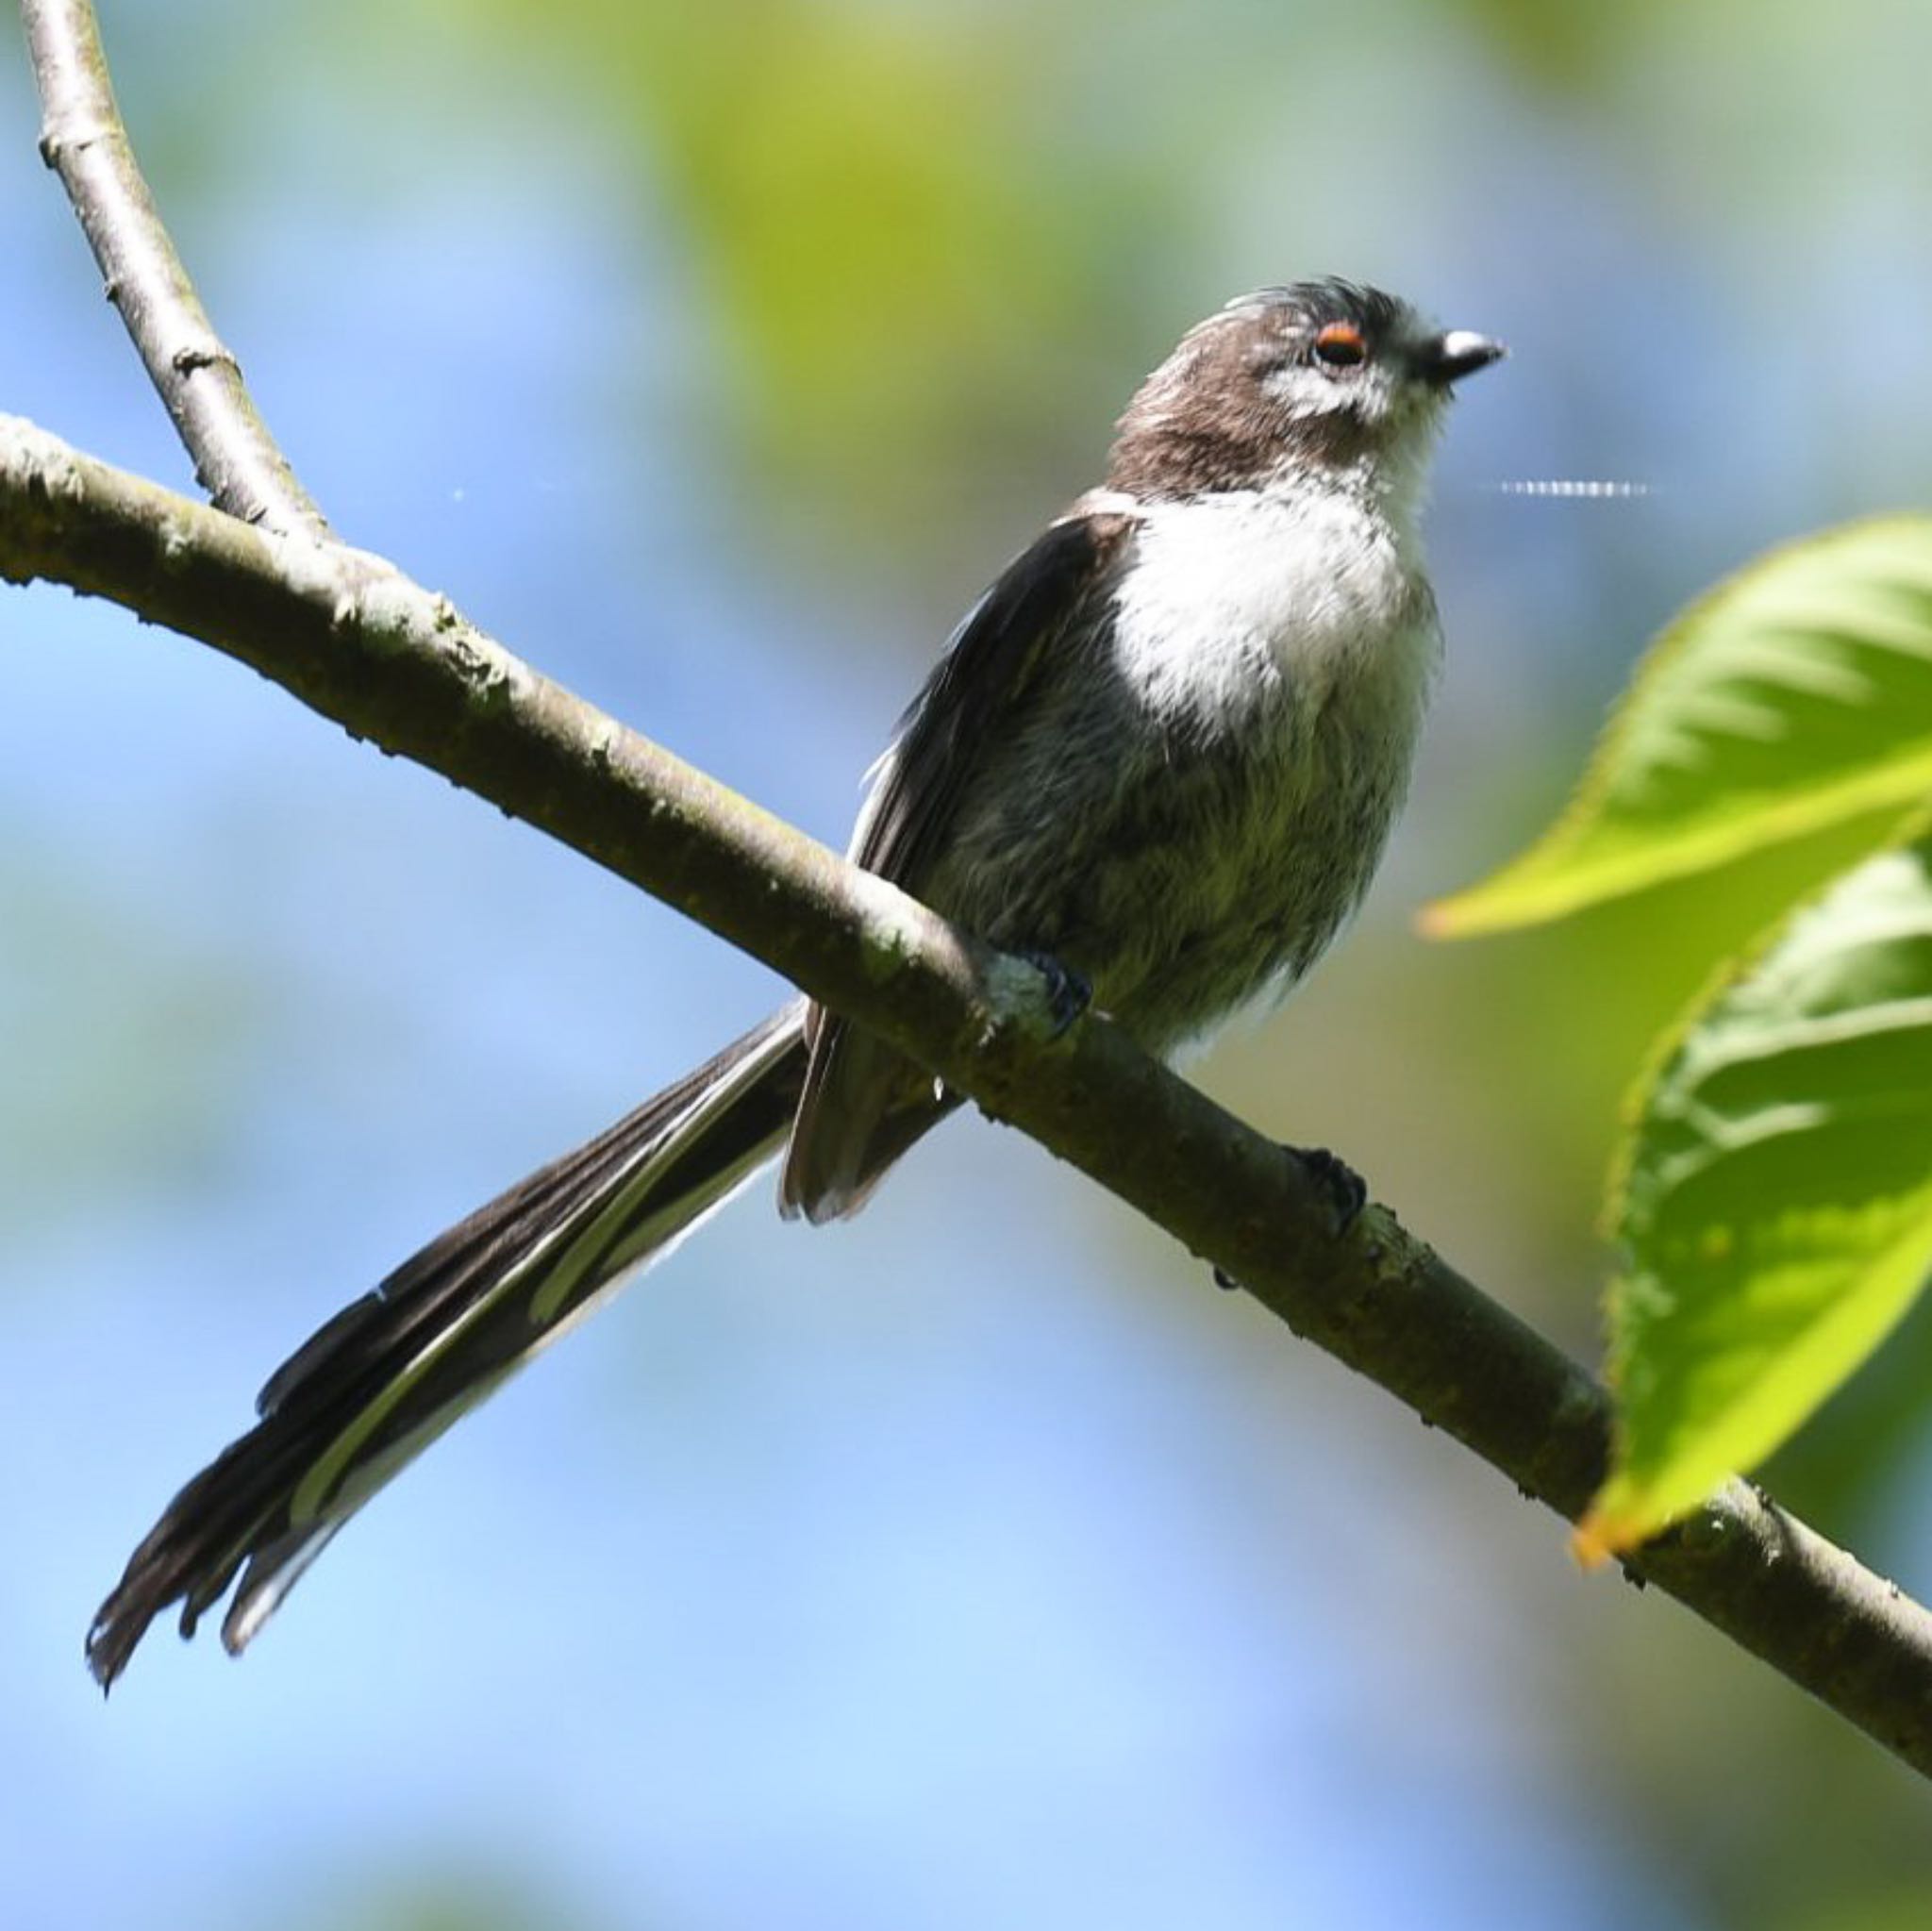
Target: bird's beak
{"x":1459,"y":352}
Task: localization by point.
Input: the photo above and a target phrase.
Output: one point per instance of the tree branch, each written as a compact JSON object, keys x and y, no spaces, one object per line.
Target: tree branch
{"x":356,"y":641}
{"x":83,"y":140}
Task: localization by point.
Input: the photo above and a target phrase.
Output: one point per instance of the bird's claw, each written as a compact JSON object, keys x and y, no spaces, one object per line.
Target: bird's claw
{"x":1347,"y":1193}
{"x":1068,"y":993}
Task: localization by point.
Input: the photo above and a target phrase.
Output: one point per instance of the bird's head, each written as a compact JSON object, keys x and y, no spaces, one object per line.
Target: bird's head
{"x":1318,"y":381}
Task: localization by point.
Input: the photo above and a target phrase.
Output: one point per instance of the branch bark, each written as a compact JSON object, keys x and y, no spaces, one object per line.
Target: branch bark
{"x":356,"y":641}
{"x":84,"y":140}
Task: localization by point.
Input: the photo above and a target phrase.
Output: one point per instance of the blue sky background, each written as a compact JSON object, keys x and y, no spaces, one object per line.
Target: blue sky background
{"x":976,"y":1563}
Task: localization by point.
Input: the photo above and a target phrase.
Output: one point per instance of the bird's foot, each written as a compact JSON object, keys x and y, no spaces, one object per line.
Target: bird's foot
{"x":1345,"y":1190}
{"x":1347,"y":1193}
{"x":1068,"y":993}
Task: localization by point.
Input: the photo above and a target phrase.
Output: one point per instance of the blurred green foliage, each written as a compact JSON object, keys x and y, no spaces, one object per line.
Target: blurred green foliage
{"x":1905,"y":1909}
{"x":897,"y":246}
{"x":913,"y":225}
{"x":436,"y":1899}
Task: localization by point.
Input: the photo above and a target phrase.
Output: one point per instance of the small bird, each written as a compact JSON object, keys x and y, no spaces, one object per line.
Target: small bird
{"x":1163,"y":752}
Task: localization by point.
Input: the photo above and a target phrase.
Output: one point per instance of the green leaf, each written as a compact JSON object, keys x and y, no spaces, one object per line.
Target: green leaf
{"x":1776,"y":1195}
{"x":1795,"y":696}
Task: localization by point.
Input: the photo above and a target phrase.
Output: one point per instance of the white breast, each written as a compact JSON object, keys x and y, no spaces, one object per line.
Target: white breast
{"x":1239,"y":598}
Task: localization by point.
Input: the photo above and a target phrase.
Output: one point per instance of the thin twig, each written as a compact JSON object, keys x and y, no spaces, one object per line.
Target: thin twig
{"x":83,"y":140}
{"x":356,"y":641}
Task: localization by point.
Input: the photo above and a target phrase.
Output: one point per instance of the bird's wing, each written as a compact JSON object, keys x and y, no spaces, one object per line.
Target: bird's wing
{"x":982,"y":683}
{"x":861,"y":1107}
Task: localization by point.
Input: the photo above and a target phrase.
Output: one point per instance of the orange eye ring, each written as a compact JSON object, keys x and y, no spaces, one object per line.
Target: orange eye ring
{"x":1339,"y":345}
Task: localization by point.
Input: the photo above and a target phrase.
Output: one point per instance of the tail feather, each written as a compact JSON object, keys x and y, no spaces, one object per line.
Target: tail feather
{"x":373,"y":1387}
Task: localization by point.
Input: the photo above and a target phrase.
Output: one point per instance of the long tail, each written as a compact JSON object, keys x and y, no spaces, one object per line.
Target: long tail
{"x":373,"y":1387}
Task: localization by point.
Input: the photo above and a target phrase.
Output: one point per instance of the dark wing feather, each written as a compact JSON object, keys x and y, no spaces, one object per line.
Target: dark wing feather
{"x":991,"y":665}
{"x":864,"y":1105}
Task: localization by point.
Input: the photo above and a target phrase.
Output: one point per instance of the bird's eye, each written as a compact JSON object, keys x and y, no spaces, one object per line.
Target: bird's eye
{"x":1339,"y":345}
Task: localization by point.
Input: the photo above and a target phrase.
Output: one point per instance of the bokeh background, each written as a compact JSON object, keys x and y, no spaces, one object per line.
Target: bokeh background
{"x":977,"y":1564}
